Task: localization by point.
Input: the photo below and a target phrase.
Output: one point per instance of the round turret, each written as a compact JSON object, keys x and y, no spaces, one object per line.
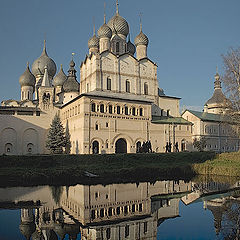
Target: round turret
{"x":41,"y":62}
{"x":60,"y":78}
{"x":27,"y":78}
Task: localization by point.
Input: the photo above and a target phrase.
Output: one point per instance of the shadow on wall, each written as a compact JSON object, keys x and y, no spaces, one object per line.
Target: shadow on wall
{"x":20,"y":137}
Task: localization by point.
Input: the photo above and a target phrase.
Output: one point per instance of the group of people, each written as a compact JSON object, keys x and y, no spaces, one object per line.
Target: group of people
{"x":168,"y":147}
{"x":146,"y":147}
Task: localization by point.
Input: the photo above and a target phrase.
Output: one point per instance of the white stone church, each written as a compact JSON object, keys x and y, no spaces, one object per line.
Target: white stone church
{"x":116,"y":106}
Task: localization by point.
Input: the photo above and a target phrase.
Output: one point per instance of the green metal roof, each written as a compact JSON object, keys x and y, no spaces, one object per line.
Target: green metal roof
{"x":170,"y":120}
{"x":211,"y":116}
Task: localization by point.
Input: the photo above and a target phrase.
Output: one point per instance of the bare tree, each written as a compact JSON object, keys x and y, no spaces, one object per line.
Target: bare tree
{"x":231,"y":80}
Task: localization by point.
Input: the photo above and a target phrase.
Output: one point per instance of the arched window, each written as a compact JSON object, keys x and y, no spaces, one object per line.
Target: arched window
{"x":28,"y":95}
{"x":126,"y":110}
{"x":141,"y":112}
{"x":133,"y":111}
{"x":109,"y":87}
{"x":110,"y":109}
{"x":145,"y":89}
{"x":117,"y":47}
{"x":93,"y":107}
{"x":102,"y":108}
{"x":118,"y":109}
{"x":127,"y":86}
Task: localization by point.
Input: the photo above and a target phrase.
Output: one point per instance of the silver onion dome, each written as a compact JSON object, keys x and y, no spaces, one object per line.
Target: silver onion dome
{"x":141,"y":39}
{"x":104,"y":31}
{"x":93,"y":42}
{"x":119,"y":25}
{"x":27,"y":78}
{"x":60,"y":78}
{"x":41,"y":62}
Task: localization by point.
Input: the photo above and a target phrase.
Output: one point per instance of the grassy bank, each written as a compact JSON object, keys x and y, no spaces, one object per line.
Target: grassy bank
{"x":71,"y":169}
{"x":225,"y":164}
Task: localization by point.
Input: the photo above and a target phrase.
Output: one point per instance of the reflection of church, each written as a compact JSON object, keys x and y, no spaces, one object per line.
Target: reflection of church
{"x":116,"y":211}
{"x":116,"y":107}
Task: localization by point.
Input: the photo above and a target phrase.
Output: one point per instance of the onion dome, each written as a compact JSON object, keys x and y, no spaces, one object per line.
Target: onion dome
{"x":27,"y":78}
{"x":71,"y":84}
{"x":41,"y":62}
{"x":141,"y":39}
{"x":131,"y":47}
{"x":93,"y":42}
{"x":104,"y":31}
{"x":119,"y":25}
{"x":218,"y":99}
{"x":60,"y":78}
{"x":27,"y":229}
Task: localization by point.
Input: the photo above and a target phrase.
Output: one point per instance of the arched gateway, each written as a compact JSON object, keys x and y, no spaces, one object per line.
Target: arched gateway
{"x":121,"y":146}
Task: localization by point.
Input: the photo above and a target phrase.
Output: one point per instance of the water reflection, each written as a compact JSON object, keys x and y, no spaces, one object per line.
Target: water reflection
{"x":119,"y":211}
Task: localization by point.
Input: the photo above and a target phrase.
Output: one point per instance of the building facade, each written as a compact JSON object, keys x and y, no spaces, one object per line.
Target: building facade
{"x":214,"y":124}
{"x":116,"y":106}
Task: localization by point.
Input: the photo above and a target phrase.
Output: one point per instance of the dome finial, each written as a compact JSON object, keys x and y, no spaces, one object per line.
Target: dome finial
{"x":72,"y":56}
{"x":61,"y":67}
{"x":104,"y":12}
{"x":117,"y":7}
{"x":94,"y":30}
{"x":140,"y":16}
{"x":44,"y":47}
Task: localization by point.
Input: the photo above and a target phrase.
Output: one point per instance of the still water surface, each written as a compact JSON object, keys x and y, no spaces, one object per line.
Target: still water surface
{"x":198,"y":209}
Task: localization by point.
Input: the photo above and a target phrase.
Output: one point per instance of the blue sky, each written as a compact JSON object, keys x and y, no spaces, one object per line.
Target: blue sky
{"x":187,"y":38}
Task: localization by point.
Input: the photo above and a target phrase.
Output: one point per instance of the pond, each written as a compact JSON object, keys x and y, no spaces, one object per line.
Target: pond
{"x":203,"y":208}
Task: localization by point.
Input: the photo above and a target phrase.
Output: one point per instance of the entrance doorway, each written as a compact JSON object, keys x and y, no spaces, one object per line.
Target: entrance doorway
{"x":95,"y":147}
{"x":121,"y":146}
{"x":183,"y":145}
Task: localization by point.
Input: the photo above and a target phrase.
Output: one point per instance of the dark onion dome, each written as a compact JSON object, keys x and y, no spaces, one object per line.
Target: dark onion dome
{"x":93,"y":42}
{"x":37,"y":235}
{"x":141,"y":39}
{"x":71,"y":84}
{"x":27,"y":78}
{"x":41,"y":62}
{"x":218,"y":98}
{"x":27,"y":229}
{"x":60,"y":78}
{"x":119,"y":25}
{"x":104,"y":31}
{"x":131,"y":47}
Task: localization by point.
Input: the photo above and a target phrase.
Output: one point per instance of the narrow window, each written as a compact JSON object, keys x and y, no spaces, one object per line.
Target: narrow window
{"x":110,"y":212}
{"x":87,"y":87}
{"x":126,"y":110}
{"x":117,"y":47}
{"x":93,"y":216}
{"x":96,"y":127}
{"x":102,"y":108}
{"x":141,"y":112}
{"x":109,"y":87}
{"x":108,"y":233}
{"x":133,"y":111}
{"x":140,"y":207}
{"x":126,"y":231}
{"x":118,"y":210}
{"x":118,"y":110}
{"x":107,"y":124}
{"x":93,"y":107}
{"x":110,"y":109}
{"x":101,"y":212}
{"x":28,"y":95}
{"x":145,"y":89}
{"x":127,"y":86}
{"x":145,"y":227}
